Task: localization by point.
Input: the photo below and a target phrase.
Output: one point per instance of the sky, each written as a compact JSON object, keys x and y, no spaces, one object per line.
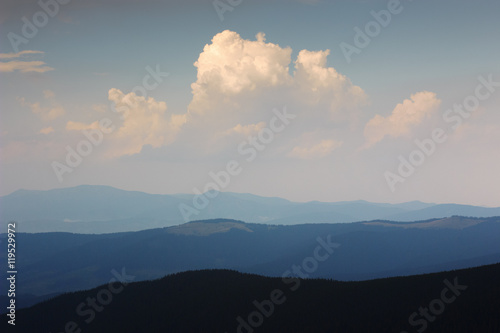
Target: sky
{"x":384,"y":101}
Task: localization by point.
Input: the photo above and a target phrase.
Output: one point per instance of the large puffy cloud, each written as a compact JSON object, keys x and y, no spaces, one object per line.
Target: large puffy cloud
{"x":239,"y":83}
{"x":403,"y":118}
{"x":232,"y":65}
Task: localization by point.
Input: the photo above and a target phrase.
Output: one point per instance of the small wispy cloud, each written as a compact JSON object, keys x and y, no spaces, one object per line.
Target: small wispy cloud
{"x":45,"y":112}
{"x":21,"y":65}
{"x":317,"y":150}
{"x":47,"y":130}
{"x":79,"y":126}
{"x":18,"y":54}
{"x":246,"y":130}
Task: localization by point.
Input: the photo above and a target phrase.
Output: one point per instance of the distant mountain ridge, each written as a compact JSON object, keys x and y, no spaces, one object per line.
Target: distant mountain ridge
{"x":104,"y":209}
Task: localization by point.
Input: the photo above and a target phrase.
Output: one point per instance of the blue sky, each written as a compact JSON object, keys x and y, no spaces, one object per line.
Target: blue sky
{"x":354,"y":119}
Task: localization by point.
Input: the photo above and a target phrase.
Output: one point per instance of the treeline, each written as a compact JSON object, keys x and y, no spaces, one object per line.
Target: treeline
{"x":461,"y":301}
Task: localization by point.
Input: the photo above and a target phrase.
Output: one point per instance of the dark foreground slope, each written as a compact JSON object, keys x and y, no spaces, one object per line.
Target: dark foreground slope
{"x":212,"y":300}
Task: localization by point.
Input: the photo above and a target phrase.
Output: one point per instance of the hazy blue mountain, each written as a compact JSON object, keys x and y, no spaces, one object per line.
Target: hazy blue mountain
{"x":445,"y":210}
{"x":59,"y":262}
{"x":104,"y":209}
{"x":85,"y":203}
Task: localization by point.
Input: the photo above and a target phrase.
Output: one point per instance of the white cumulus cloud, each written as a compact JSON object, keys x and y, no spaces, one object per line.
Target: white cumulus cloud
{"x":318,"y":83}
{"x":231,"y":65}
{"x":403,"y":118}
{"x":145,"y":122}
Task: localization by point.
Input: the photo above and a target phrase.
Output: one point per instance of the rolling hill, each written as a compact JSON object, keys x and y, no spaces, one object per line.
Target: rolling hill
{"x":62,"y":262}
{"x":207,"y":301}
